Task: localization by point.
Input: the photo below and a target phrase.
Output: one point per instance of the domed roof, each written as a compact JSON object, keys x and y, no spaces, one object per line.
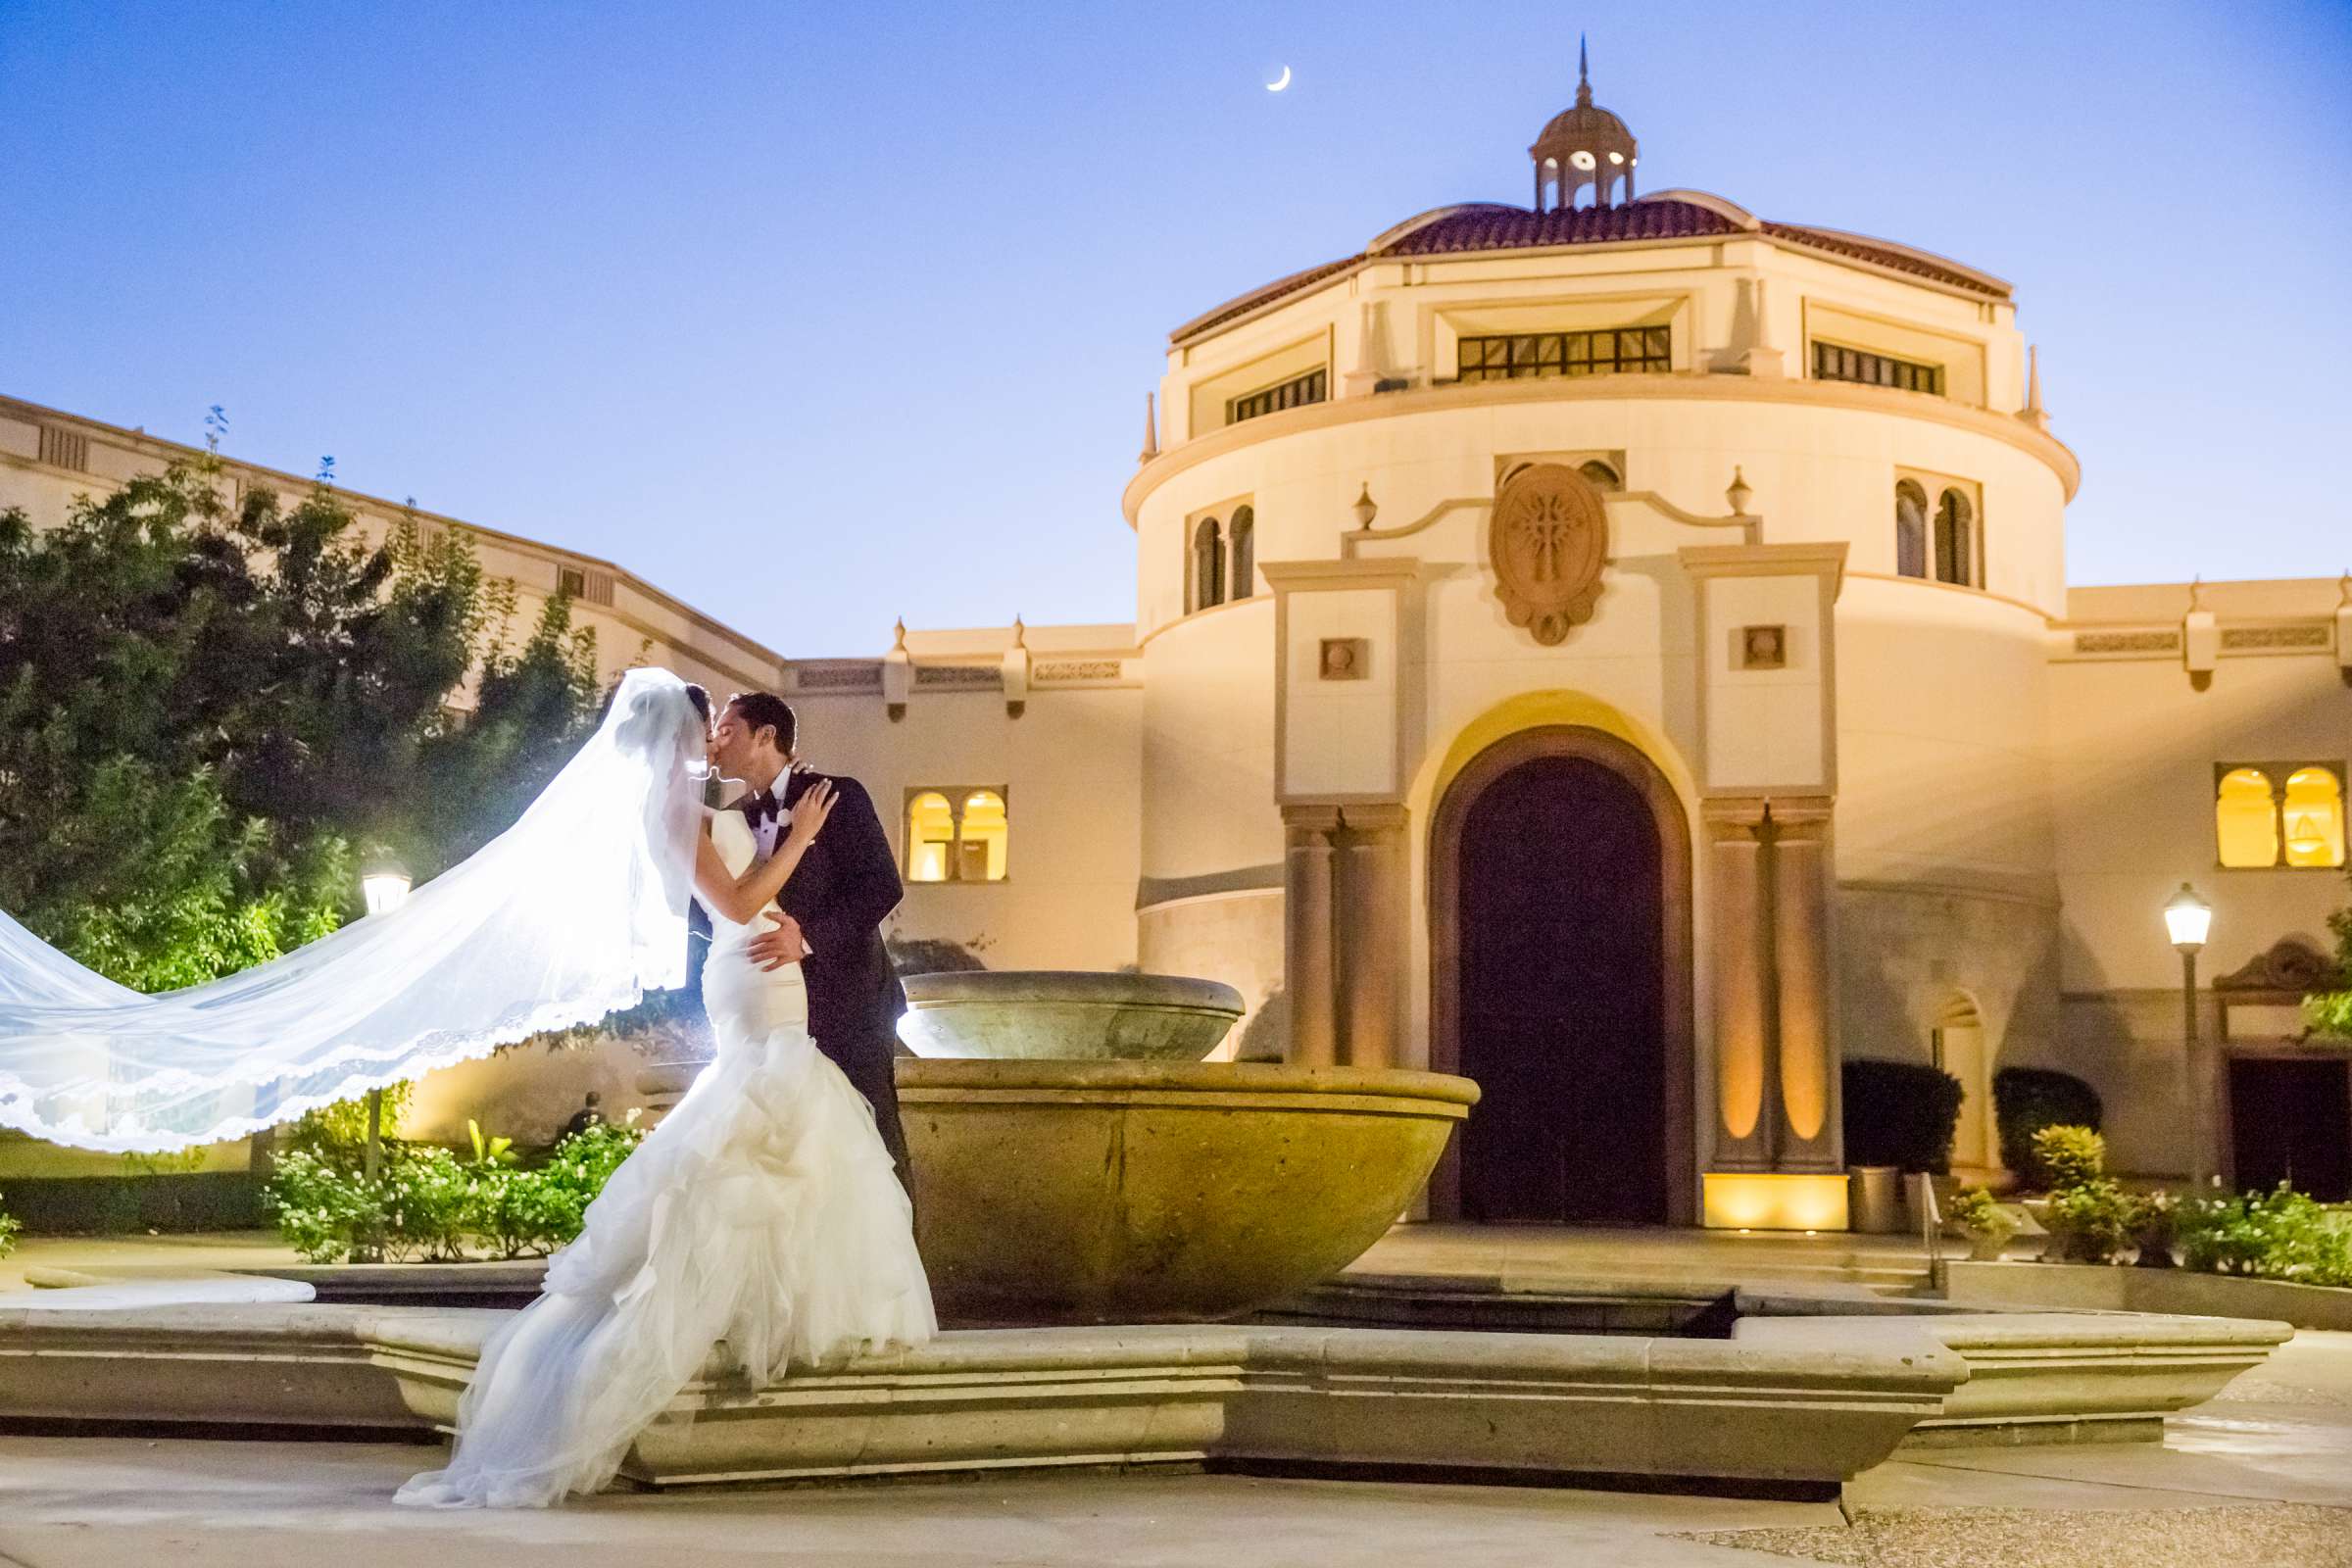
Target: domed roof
{"x":1585,"y":119}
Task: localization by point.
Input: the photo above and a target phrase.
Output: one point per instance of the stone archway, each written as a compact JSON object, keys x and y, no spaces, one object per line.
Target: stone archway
{"x":1559,"y":920}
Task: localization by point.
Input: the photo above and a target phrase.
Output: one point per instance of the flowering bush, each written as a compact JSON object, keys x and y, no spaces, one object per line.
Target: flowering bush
{"x":1975,"y":1212}
{"x":2281,"y":1235}
{"x":429,"y":1206}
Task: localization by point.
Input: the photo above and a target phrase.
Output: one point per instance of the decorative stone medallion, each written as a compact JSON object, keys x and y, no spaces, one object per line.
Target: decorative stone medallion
{"x":1548,"y":540}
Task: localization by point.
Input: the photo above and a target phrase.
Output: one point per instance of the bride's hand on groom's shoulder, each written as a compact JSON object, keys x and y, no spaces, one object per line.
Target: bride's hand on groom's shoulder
{"x":810,"y":812}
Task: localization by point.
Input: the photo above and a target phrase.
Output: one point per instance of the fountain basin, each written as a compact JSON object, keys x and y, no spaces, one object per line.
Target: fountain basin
{"x":1065,"y":1015}
{"x":1147,"y":1191}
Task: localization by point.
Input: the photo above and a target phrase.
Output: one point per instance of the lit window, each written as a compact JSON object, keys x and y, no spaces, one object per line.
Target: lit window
{"x":1243,"y":578}
{"x":956,"y":835}
{"x":1955,"y":525}
{"x":930,"y":836}
{"x":980,"y":838}
{"x":1647,"y":350}
{"x":1910,"y":530}
{"x":1208,"y":564}
{"x":2314,"y":816}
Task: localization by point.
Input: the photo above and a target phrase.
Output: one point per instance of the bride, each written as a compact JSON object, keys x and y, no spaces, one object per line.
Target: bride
{"x":763,"y":1212}
{"x":763,"y":1219}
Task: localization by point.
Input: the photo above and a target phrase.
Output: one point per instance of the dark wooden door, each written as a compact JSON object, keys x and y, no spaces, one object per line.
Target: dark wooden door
{"x":1562,"y":997}
{"x":2290,"y":1120}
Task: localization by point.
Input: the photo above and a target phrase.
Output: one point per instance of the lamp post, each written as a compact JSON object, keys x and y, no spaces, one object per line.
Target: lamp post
{"x":2187,"y":919}
{"x":384,"y":886}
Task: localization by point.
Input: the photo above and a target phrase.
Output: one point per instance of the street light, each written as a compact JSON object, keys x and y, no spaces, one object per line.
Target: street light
{"x":385,"y":884}
{"x":2189,"y":918}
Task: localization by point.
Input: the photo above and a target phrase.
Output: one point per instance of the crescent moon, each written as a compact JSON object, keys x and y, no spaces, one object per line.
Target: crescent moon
{"x":1277,"y":87}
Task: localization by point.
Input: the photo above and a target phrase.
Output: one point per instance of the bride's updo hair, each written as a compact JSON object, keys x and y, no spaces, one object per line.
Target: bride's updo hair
{"x":700,"y":700}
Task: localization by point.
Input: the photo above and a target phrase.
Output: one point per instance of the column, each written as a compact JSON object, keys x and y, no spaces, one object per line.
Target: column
{"x":1808,"y":1133}
{"x":1308,"y":970}
{"x":1371,"y":934}
{"x":1738,"y":926}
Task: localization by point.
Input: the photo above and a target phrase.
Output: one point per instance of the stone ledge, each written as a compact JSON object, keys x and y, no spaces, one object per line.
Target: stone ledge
{"x":2102,"y":1288}
{"x":1804,"y":1417}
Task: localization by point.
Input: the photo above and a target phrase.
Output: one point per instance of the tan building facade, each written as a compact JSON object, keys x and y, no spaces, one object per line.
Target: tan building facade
{"x":1620,"y":650}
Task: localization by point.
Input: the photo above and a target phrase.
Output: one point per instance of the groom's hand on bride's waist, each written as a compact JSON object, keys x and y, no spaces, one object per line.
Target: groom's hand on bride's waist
{"x":779,"y":945}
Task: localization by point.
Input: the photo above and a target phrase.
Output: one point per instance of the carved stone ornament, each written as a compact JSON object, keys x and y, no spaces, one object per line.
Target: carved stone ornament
{"x":2291,"y":963}
{"x":1548,"y":540}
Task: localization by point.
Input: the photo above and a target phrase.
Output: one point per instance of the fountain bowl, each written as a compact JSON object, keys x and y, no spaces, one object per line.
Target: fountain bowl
{"x":1065,"y":1015}
{"x":1153,"y":1192}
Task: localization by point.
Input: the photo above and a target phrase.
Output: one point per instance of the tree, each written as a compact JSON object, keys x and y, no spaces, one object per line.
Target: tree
{"x":2330,"y":1011}
{"x":207,"y":707}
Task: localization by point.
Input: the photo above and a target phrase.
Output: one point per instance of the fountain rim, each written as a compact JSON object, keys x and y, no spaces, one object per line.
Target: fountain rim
{"x":920,"y":1076}
{"x":1109,"y":988}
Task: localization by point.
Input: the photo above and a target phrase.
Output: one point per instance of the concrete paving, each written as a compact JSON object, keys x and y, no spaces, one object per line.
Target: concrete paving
{"x":2278,"y":1444}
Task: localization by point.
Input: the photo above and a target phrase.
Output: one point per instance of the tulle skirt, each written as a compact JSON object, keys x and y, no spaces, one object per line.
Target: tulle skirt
{"x":761,"y":1216}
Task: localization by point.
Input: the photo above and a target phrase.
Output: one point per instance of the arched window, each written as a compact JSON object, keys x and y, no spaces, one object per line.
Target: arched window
{"x":2313,"y":814}
{"x":1208,"y":564}
{"x":2245,"y":818}
{"x":1603,"y":476}
{"x":980,"y":838}
{"x":930,"y":837}
{"x":1244,"y":579}
{"x":1910,"y":530}
{"x":1955,"y":522}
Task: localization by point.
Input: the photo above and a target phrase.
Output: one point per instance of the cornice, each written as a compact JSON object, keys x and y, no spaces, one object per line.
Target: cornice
{"x":1700,"y":388}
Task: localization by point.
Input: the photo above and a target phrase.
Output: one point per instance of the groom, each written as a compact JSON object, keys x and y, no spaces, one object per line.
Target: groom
{"x":830,"y":913}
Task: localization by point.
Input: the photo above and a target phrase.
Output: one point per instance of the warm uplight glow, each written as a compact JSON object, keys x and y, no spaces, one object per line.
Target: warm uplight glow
{"x":2313,"y":811}
{"x":930,"y":834}
{"x":2189,"y":918}
{"x":1771,"y":1201}
{"x":2245,"y":820}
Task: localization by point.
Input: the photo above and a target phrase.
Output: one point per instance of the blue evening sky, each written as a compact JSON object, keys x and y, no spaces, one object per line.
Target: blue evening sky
{"x":817,"y":315}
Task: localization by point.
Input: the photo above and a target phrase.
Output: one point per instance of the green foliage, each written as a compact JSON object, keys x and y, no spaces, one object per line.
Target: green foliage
{"x":2024,"y":1101}
{"x":430,"y":1205}
{"x":2282,"y":1234}
{"x":342,"y":1127}
{"x":2073,"y":1156}
{"x":8,"y":1233}
{"x":2090,"y":1221}
{"x":1900,"y":1113}
{"x":1975,"y":1212}
{"x":2329,"y":1012}
{"x":206,"y":705}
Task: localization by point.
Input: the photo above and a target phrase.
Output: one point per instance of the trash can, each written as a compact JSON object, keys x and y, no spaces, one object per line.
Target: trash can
{"x":1875,"y":1200}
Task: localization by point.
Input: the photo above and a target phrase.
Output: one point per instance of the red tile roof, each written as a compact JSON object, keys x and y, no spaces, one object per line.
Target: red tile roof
{"x":1479,"y":226}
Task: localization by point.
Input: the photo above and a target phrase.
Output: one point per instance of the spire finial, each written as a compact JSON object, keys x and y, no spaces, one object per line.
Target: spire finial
{"x":898,"y":643}
{"x":1583,"y":74}
{"x":1020,"y":633}
{"x":2345,"y":583}
{"x":1150,"y":429}
{"x":2196,"y":592}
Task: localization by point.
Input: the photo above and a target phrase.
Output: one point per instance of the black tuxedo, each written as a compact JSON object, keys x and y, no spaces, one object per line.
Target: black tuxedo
{"x":844,"y":888}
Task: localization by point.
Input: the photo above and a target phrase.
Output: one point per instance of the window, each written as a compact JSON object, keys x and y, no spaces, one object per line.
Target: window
{"x":2259,"y":823}
{"x":1831,"y":362}
{"x":571,"y":583}
{"x":1603,"y":476}
{"x":1955,"y":526}
{"x":1208,"y":564}
{"x":1243,"y":577}
{"x":1298,"y":392}
{"x":957,"y":835}
{"x":1610,"y":350}
{"x":1910,"y":530}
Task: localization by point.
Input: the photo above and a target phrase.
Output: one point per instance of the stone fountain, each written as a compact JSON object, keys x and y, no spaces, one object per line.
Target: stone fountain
{"x":1076,"y":1161}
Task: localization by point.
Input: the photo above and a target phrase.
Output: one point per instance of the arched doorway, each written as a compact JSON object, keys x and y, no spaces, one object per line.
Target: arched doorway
{"x":1957,"y":1046}
{"x":1559,"y":937}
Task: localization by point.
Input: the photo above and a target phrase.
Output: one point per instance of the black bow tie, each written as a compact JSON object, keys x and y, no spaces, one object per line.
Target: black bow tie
{"x":761,"y":804}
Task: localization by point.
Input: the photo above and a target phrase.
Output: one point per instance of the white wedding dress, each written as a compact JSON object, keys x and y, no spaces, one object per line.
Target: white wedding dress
{"x":762,"y":1214}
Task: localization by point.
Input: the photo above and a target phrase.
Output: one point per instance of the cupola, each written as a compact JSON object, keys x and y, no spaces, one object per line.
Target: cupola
{"x":1583,"y":146}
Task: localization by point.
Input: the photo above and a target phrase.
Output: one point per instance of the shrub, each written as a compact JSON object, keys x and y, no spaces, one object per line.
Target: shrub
{"x":8,"y":1233}
{"x":428,"y":1204}
{"x":2090,"y":1221}
{"x":1900,"y":1113}
{"x":1975,"y":1212}
{"x":2073,"y":1156}
{"x":2024,"y":1101}
{"x":2282,"y":1234}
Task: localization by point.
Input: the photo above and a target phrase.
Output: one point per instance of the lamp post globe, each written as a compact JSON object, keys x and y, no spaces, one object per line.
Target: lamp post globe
{"x":2187,"y":918}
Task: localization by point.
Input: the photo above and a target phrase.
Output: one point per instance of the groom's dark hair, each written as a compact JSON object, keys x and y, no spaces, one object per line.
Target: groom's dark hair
{"x":766,"y":710}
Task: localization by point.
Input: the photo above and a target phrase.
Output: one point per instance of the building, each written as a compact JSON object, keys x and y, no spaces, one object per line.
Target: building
{"x":1620,"y":649}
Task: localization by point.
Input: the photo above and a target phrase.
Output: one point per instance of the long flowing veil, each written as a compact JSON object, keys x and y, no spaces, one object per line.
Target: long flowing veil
{"x":577,"y":909}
